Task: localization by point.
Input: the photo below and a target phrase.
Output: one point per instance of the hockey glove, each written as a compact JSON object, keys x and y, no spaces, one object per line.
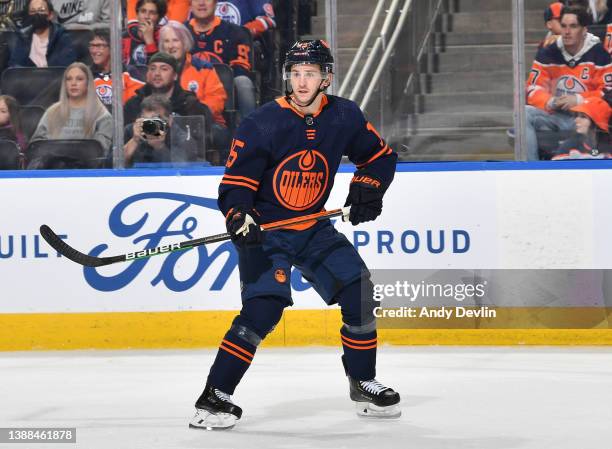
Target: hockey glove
{"x":365,"y":198}
{"x":243,"y":224}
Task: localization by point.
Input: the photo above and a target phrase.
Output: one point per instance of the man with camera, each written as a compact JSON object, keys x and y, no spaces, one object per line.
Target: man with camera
{"x":154,"y":137}
{"x":162,"y":79}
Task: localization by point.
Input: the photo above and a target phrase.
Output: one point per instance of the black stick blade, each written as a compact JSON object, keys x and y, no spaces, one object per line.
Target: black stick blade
{"x":69,"y":252}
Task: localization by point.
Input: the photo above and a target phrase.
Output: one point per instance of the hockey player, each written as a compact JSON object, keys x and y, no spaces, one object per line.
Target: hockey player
{"x":282,"y":165}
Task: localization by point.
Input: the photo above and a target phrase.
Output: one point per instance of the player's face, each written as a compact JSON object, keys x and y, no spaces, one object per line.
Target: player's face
{"x":160,"y":75}
{"x":203,"y":9}
{"x":172,"y":44}
{"x":572,"y":32}
{"x":76,"y":83}
{"x":305,"y":81}
{"x":99,"y":51}
{"x":148,"y":13}
{"x":583,"y":123}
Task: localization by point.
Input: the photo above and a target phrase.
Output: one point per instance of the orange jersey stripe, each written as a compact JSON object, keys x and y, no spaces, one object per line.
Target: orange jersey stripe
{"x":241,"y":178}
{"x":360,"y":342}
{"x":235,"y":353}
{"x":244,"y":351}
{"x":243,"y":184}
{"x":386,"y":150}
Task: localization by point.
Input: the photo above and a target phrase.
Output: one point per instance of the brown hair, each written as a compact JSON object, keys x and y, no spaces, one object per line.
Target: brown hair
{"x":13,"y":108}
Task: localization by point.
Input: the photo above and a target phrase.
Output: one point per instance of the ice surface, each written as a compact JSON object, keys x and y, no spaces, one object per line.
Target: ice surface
{"x":455,"y":398}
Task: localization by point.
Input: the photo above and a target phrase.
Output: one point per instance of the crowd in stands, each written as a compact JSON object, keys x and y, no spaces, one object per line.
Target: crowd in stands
{"x":181,"y":58}
{"x":569,"y":89}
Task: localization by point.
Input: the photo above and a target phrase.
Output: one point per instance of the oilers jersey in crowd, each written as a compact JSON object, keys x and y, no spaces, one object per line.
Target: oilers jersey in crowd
{"x":257,"y":15}
{"x":555,"y":72}
{"x":224,"y":43}
{"x":284,"y":163}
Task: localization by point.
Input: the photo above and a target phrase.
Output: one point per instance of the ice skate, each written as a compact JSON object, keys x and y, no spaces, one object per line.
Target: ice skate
{"x":374,"y":400}
{"x":215,"y":411}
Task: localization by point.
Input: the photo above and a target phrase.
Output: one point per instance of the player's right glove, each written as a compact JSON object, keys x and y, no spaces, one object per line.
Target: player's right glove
{"x":243,"y":224}
{"x":365,"y":198}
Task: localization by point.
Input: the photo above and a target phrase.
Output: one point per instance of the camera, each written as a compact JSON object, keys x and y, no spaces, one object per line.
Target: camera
{"x":154,"y":126}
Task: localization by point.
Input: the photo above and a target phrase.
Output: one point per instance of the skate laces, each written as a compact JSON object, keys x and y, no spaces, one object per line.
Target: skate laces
{"x":372,"y":386}
{"x":223,"y":396}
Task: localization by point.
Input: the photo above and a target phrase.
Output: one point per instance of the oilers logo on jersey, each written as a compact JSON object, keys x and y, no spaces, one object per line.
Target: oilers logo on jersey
{"x":301,"y":179}
{"x":139,"y":55}
{"x":228,"y":12}
{"x":105,"y":93}
{"x":193,"y":86}
{"x":569,"y":84}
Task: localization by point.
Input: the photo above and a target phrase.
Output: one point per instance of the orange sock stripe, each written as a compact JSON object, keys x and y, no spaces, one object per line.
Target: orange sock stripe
{"x":244,"y":351}
{"x":359,"y":342}
{"x":359,"y":347}
{"x":235,"y":353}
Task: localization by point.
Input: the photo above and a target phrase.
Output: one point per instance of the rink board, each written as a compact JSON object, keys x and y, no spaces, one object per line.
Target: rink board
{"x":436,"y":216}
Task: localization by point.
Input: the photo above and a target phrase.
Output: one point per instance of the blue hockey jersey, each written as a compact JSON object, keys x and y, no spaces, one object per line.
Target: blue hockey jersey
{"x":283,"y":163}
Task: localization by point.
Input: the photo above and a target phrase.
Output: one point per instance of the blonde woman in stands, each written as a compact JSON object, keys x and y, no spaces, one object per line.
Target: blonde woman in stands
{"x":79,"y":114}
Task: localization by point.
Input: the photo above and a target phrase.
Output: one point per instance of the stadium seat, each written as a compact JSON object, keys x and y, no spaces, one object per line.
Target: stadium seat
{"x":33,"y":85}
{"x":30,"y":116}
{"x":80,"y":40}
{"x":10,"y":156}
{"x":226,"y":75}
{"x":7,"y":38}
{"x":61,"y":153}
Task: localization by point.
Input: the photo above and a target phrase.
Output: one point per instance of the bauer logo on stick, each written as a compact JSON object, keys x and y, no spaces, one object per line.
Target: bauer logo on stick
{"x":153,"y":251}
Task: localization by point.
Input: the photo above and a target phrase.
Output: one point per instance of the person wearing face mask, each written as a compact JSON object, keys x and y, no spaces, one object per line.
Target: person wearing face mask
{"x":41,"y":43}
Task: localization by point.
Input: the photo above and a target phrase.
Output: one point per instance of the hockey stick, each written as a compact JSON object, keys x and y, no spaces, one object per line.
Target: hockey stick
{"x":90,"y":261}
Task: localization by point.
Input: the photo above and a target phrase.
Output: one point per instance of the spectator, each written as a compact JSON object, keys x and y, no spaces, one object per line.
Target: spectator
{"x":563,"y":75}
{"x":42,"y":43}
{"x":258,"y":17}
{"x":99,"y":50}
{"x":162,"y":79}
{"x":78,"y":114}
{"x":219,"y":41}
{"x":255,"y":15}
{"x":168,"y":144}
{"x":10,"y":123}
{"x":195,"y":75}
{"x":552,"y":19}
{"x":77,"y":14}
{"x":142,"y":35}
{"x":591,"y":140}
{"x":177,"y":10}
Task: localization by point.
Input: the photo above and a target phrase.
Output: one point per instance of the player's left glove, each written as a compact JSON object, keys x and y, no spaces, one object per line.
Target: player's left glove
{"x":365,"y":198}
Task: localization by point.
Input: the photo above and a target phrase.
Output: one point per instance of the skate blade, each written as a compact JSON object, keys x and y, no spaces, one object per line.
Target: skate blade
{"x":205,"y":420}
{"x":369,"y":410}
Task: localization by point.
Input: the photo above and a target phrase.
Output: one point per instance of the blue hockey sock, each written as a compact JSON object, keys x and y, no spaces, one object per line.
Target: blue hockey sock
{"x":233,"y":359}
{"x":359,"y":354}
